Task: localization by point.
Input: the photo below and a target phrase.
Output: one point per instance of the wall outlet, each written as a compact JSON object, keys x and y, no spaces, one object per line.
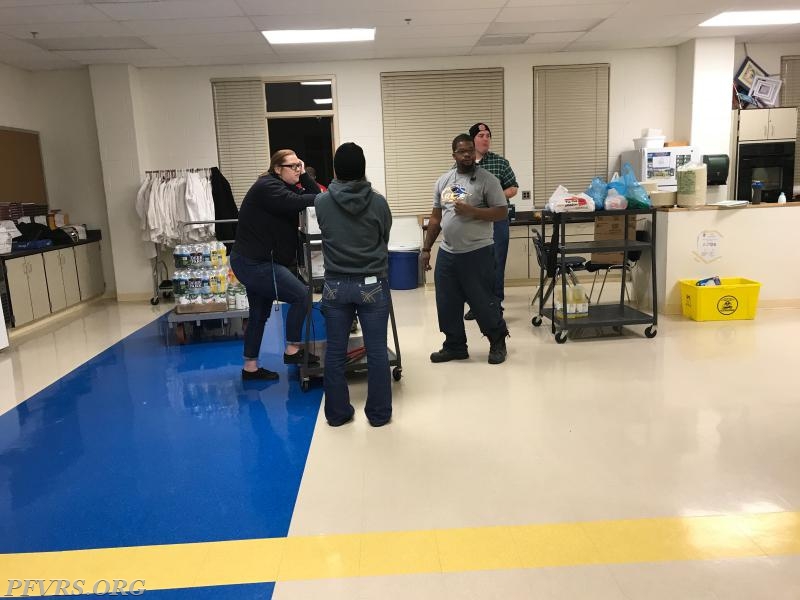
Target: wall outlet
{"x":526,"y":194}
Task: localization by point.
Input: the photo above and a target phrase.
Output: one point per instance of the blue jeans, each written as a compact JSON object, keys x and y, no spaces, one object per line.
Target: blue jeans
{"x":342,"y":299}
{"x":261,"y":280}
{"x":501,"y":235}
{"x":467,"y":277}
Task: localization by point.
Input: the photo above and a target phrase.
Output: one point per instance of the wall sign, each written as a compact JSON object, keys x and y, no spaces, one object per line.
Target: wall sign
{"x":709,"y":246}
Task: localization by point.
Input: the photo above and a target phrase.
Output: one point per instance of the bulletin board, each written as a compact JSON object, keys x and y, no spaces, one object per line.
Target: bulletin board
{"x":21,"y":169}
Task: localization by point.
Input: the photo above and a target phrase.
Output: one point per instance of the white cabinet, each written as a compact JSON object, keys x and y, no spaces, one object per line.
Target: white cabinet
{"x":767,"y":124}
{"x":90,"y":270}
{"x":517,"y":260}
{"x":27,"y":286}
{"x":62,"y":278}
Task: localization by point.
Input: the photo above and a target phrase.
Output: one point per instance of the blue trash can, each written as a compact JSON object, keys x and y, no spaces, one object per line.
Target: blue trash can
{"x":403,"y":266}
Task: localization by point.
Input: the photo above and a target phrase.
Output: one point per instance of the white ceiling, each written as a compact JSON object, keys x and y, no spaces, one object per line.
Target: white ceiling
{"x":158,"y":33}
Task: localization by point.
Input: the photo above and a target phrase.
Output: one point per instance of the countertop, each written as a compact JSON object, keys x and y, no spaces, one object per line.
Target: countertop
{"x":745,"y":207}
{"x":92,"y":235}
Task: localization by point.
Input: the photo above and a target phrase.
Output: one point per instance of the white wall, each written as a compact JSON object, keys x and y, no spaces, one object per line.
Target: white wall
{"x":16,"y":109}
{"x":179,"y":130}
{"x":767,"y":56}
{"x":58,"y":104}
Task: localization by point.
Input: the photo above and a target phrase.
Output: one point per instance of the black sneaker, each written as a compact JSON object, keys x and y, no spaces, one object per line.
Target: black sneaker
{"x":497,"y":350}
{"x":470,"y":316}
{"x":297,"y":358}
{"x":445,"y":355}
{"x":260,"y":375}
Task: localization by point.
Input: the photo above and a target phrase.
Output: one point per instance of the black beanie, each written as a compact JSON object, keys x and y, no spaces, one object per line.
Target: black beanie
{"x":473,"y":131}
{"x":349,"y":163}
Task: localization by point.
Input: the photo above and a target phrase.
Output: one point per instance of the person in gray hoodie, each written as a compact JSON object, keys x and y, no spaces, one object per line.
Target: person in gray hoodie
{"x":355,"y":221}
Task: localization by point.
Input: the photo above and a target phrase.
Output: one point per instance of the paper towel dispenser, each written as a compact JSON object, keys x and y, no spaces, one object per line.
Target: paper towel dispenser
{"x":718,"y":166}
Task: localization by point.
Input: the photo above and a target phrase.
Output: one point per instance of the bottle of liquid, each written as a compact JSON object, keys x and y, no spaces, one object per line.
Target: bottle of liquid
{"x":757,"y":188}
{"x":782,"y":198}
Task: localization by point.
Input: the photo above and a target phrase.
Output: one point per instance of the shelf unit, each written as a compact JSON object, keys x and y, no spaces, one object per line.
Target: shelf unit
{"x":614,"y":315}
{"x":311,"y":241}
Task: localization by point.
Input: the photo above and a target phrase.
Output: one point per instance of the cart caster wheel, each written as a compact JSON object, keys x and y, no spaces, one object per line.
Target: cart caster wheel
{"x":651,"y":331}
{"x":397,"y":373}
{"x":561,"y":337}
{"x":536,"y":321}
{"x":305,"y":385}
{"x":180,"y":333}
{"x":155,"y":300}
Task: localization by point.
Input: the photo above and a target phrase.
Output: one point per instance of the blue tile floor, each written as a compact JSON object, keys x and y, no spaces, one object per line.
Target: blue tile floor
{"x":150,"y":443}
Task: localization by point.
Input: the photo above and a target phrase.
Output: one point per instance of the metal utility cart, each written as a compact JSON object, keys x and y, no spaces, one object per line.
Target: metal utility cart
{"x":178,"y":321}
{"x":614,"y":315}
{"x":307,"y":371}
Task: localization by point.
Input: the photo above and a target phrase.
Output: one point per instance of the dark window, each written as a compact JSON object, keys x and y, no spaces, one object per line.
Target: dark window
{"x":293,"y":96}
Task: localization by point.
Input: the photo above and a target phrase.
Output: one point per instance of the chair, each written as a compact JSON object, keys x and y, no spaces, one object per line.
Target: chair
{"x":633,"y":258}
{"x":550,"y":262}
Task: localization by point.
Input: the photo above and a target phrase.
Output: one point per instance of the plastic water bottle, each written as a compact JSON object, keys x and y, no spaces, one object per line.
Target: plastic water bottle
{"x":782,"y":198}
{"x":206,"y":253}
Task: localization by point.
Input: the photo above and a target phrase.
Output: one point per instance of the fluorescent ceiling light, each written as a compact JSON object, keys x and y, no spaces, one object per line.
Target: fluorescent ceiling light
{"x":747,"y":18}
{"x":318,"y":36}
{"x":323,"y":100}
{"x":315,"y":83}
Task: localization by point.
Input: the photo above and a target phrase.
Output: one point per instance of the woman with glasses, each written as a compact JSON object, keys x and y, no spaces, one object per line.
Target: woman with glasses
{"x":264,"y":256}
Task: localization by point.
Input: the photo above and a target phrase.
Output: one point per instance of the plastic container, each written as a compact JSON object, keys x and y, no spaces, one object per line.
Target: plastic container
{"x":692,"y":185}
{"x":403,"y":266}
{"x":757,"y":187}
{"x":735,"y":299}
{"x":656,"y":141}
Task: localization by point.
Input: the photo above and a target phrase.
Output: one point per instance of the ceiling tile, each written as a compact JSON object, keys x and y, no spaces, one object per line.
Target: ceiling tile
{"x":46,"y":63}
{"x":555,"y":38}
{"x":521,"y":49}
{"x":430,"y":42}
{"x":424,"y":52}
{"x":577,"y":5}
{"x":139,"y":58}
{"x":65,"y":30}
{"x":189,"y":26}
{"x":205,"y":39}
{"x":322,"y":20}
{"x":91,"y":43}
{"x":313,"y":7}
{"x":418,"y":31}
{"x":544,"y":26}
{"x":250,"y":59}
{"x":66,"y":13}
{"x":170,"y":9}
{"x":221,"y":50}
{"x":14,"y":3}
{"x":553,"y":13}
{"x":661,"y":26}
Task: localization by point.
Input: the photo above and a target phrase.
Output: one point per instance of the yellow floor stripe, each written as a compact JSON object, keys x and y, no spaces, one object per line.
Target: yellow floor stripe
{"x":407,"y":552}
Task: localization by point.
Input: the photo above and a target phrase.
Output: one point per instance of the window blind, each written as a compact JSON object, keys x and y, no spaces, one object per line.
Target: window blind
{"x":241,"y":125}
{"x":790,"y":96}
{"x":422,"y":112}
{"x":570,"y":127}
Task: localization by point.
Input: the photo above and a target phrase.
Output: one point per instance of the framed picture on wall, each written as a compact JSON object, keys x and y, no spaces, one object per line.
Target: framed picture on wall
{"x":747,"y":73}
{"x":766,"y":89}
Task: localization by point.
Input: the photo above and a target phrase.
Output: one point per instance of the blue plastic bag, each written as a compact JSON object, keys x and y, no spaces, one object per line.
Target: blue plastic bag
{"x":634,"y":192}
{"x":597,"y":190}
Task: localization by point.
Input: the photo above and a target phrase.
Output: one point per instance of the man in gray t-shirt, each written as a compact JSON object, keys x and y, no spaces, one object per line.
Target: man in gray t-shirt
{"x":467,"y":200}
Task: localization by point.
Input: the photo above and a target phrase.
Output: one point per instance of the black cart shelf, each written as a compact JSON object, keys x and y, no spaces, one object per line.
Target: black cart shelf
{"x":308,"y":371}
{"x":614,"y":315}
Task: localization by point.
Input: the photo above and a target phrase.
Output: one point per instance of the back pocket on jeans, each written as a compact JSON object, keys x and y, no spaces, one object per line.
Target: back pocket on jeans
{"x":371,"y":292}
{"x":330,"y":290}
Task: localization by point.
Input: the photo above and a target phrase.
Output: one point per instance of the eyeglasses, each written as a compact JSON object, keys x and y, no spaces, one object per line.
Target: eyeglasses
{"x":293,"y":167}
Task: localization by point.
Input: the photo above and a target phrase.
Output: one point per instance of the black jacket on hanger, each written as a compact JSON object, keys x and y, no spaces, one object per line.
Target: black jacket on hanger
{"x":224,"y":205}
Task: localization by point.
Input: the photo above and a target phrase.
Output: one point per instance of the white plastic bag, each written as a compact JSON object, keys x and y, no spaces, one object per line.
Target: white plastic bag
{"x":615,"y":200}
{"x":563,"y":201}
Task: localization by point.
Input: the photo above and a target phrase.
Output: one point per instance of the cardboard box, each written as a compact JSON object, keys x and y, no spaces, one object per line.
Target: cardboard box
{"x":612,"y":228}
{"x":183,"y":309}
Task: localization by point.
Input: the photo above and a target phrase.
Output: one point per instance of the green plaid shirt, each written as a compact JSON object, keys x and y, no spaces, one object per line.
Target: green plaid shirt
{"x":500,"y":168}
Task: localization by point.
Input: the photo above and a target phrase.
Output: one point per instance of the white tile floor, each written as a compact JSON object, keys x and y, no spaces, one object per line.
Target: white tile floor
{"x":700,"y":420}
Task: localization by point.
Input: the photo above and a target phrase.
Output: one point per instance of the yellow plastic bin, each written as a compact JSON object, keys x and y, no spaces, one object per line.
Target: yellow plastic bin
{"x":735,"y":299}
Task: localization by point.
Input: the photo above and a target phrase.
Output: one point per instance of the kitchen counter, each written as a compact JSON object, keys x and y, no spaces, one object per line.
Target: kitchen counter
{"x":92,"y":235}
{"x":710,"y":207}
